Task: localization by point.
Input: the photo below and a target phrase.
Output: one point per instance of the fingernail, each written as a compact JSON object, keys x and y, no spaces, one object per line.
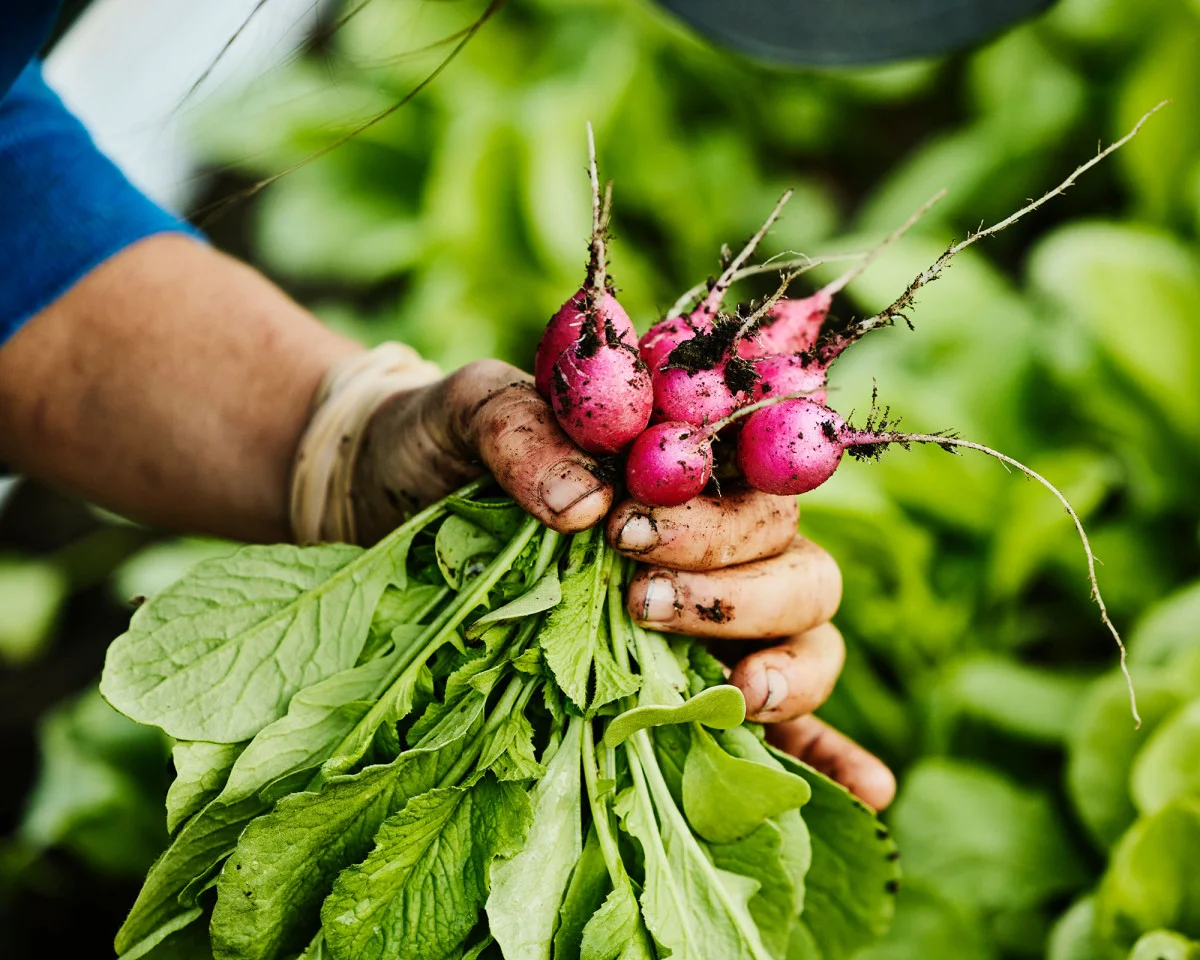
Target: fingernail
{"x":659,"y":605}
{"x":777,"y":690}
{"x":567,"y":483}
{"x":638,"y":535}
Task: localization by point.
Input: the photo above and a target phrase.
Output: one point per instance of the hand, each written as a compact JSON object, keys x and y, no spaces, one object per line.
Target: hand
{"x":729,"y":570}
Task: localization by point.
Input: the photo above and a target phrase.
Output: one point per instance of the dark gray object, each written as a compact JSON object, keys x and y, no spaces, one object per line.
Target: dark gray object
{"x":845,"y":32}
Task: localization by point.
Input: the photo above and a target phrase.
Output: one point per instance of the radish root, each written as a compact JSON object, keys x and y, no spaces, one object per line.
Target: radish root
{"x":932,"y":272}
{"x":947,"y":442}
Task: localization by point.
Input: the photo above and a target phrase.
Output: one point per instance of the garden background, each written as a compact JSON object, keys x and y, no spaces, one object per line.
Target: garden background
{"x":1033,"y":819}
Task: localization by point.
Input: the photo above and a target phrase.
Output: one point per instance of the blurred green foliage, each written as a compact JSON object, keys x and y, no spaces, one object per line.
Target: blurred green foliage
{"x":1034,"y":819}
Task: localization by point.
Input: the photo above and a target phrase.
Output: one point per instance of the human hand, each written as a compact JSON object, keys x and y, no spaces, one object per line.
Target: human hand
{"x":728,"y":569}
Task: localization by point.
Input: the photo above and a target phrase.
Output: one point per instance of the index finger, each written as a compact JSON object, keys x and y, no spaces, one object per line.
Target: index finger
{"x":518,"y":439}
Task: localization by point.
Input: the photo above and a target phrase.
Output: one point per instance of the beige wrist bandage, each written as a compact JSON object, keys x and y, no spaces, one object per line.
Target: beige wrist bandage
{"x":322,"y":504}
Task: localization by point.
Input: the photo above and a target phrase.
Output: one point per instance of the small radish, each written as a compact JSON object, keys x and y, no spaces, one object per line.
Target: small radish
{"x":791,"y":327}
{"x":660,"y":340}
{"x":669,"y":464}
{"x":702,"y":382}
{"x":601,"y":393}
{"x":564,"y":328}
{"x":599,"y":387}
{"x":791,"y":447}
{"x":704,"y":379}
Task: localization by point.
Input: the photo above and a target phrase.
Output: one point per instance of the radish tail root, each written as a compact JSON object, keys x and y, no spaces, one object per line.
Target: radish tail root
{"x":902,"y":303}
{"x":947,"y":442}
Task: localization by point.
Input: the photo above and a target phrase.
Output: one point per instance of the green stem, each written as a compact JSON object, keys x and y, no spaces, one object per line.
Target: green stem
{"x":665,"y":804}
{"x":600,"y":817}
{"x":436,"y":634}
{"x":498,"y":715}
{"x":546,"y":555}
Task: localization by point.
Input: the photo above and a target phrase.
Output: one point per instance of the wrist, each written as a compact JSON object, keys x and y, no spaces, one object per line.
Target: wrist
{"x":334,"y":462}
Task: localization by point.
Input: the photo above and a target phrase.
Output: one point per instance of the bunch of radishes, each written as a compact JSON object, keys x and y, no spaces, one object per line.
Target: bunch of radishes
{"x":664,"y":399}
{"x":755,"y":378}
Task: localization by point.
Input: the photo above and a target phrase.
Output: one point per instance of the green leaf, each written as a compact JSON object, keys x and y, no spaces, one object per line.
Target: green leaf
{"x":1104,"y":273}
{"x":218,"y":655}
{"x":1156,"y":163}
{"x":501,"y":518}
{"x":419,"y":892}
{"x":727,"y":798}
{"x":31,"y":593}
{"x":615,"y":931}
{"x":201,"y":770}
{"x":1103,"y":745}
{"x":1168,"y":766}
{"x":1030,"y":702}
{"x":760,"y":856}
{"x":98,"y":791}
{"x":1022,"y":547}
{"x":510,"y":752}
{"x":271,"y":887}
{"x":148,"y":946}
{"x":317,"y":720}
{"x":1073,"y":936}
{"x":982,"y":841}
{"x":850,"y":889}
{"x":927,"y":927}
{"x":691,"y":907}
{"x":1170,"y":628}
{"x":1164,"y":945}
{"x":463,"y":550}
{"x":796,"y":846}
{"x":543,"y":595}
{"x":528,"y":888}
{"x":583,"y":897}
{"x":572,"y":633}
{"x":1152,"y":882}
{"x":398,"y":610}
{"x":720,"y":707}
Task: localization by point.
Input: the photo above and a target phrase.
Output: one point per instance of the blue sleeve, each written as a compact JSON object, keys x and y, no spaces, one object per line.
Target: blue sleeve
{"x":65,"y":208}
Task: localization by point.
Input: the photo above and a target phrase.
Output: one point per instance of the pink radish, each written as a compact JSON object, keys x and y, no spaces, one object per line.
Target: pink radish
{"x":599,"y":388}
{"x":791,"y":447}
{"x":564,"y":328}
{"x":669,"y":464}
{"x":660,"y":340}
{"x":601,"y":393}
{"x":791,"y":327}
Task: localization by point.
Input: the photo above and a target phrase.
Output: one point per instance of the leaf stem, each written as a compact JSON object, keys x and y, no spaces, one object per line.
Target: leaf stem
{"x":713,"y":300}
{"x":599,"y":807}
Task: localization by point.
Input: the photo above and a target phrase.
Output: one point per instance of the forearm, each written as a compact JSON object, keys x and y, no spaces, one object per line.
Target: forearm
{"x":171,"y":384}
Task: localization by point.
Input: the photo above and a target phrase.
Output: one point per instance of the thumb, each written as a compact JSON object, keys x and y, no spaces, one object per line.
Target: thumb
{"x":514,"y":432}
